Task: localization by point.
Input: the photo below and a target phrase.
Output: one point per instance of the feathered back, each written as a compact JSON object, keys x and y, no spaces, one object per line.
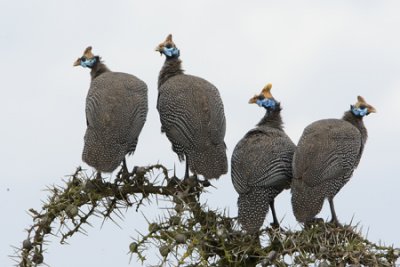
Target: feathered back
{"x":116,"y":110}
{"x":326,"y":156}
{"x":192,"y":115}
{"x":326,"y":149}
{"x":261,"y":164}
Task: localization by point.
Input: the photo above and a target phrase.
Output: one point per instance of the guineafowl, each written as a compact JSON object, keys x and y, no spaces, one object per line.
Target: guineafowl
{"x":327,"y":153}
{"x":192,"y":116}
{"x":262,"y":165}
{"x":116,"y":110}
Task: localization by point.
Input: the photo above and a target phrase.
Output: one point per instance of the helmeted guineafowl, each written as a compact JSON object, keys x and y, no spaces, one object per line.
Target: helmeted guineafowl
{"x":262,"y":164}
{"x":192,"y":116}
{"x":327,"y":153}
{"x":116,"y":110}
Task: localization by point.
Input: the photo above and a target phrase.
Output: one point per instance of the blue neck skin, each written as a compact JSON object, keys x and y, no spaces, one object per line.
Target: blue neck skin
{"x":172,"y":52}
{"x":267,"y":103}
{"x":359,"y":112}
{"x":88,"y":62}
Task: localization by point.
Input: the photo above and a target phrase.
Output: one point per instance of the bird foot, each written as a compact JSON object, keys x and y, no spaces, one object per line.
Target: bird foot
{"x":274,"y":225}
{"x":316,"y":221}
{"x":98,"y":176}
{"x":173,"y":181}
{"x":313,"y":221}
{"x":190,"y":181}
{"x":193,"y":181}
{"x":125,"y":170}
{"x":205,"y":183}
{"x":335,"y":223}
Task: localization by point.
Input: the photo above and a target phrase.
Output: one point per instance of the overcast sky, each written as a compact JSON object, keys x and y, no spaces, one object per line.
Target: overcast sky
{"x":319,"y":55}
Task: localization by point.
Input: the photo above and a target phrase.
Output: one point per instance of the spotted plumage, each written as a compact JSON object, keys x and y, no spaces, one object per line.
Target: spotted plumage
{"x":261,"y":165}
{"x":116,"y":110}
{"x":327,"y":153}
{"x":192,"y":116}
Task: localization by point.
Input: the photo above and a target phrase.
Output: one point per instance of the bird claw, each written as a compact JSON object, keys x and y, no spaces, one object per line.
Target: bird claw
{"x":98,"y":176}
{"x":274,"y":225}
{"x":335,"y":223}
{"x":314,"y":221}
{"x":173,"y":181}
{"x":190,"y":181}
{"x":206,"y":183}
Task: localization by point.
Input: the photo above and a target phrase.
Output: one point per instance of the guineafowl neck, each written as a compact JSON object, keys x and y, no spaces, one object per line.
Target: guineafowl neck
{"x":172,"y":67}
{"x":272,"y":119}
{"x":358,"y":123}
{"x":98,"y":69}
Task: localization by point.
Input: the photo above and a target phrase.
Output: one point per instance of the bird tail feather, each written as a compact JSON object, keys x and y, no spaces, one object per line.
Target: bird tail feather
{"x":306,"y":202}
{"x":211,"y":162}
{"x":252,"y":209}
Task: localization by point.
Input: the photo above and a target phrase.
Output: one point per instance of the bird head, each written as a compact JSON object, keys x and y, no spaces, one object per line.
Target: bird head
{"x":361,"y":107}
{"x":87,"y":60}
{"x":168,"y":48}
{"x":265,"y":98}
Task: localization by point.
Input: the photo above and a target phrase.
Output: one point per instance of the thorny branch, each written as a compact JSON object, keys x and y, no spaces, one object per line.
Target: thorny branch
{"x":66,"y":204}
{"x":191,"y":234}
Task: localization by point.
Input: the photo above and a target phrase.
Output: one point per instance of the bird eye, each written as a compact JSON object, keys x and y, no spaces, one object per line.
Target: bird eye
{"x":168,"y":46}
{"x":83,"y":59}
{"x":261,"y":97}
{"x":363,"y":107}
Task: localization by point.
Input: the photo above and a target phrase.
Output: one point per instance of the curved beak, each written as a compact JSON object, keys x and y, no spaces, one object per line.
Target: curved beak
{"x":77,"y":62}
{"x":253,"y":100}
{"x":159,"y":48}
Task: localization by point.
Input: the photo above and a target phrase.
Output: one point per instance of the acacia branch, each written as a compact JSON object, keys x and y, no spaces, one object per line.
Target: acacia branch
{"x":190,"y":234}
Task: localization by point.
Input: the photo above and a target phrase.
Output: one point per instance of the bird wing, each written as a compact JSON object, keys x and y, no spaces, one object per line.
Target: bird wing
{"x":328,"y":149}
{"x":176,"y":117}
{"x":135,"y":102}
{"x":117,"y":102}
{"x":262,"y":159}
{"x":95,"y":110}
{"x":191,"y":111}
{"x":207,"y":110}
{"x":217,"y":121}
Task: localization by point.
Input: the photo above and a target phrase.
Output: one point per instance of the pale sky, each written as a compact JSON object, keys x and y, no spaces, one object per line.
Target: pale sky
{"x":319,"y":55}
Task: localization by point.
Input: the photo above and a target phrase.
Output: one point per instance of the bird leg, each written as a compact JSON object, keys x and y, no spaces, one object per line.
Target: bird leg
{"x":189,"y":181}
{"x":186,"y":179}
{"x":275,"y":223}
{"x":98,"y":176}
{"x":124,"y":167}
{"x":334,"y":219}
{"x":187,"y":168}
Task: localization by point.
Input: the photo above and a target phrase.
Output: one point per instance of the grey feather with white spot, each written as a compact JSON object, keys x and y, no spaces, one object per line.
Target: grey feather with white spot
{"x":327,"y":153}
{"x":192,"y":116}
{"x":261,"y":169}
{"x":116,"y":110}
